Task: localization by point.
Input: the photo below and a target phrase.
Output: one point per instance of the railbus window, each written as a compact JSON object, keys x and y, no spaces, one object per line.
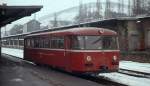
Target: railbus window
{"x":110,"y":43}
{"x":61,"y":42}
{"x":28,"y":43}
{"x":32,"y":43}
{"x":40,"y":42}
{"x":36,"y":42}
{"x":24,"y":43}
{"x":54,"y":42}
{"x":94,"y":42}
{"x":57,"y":42}
{"x":46,"y":42}
{"x":77,"y":42}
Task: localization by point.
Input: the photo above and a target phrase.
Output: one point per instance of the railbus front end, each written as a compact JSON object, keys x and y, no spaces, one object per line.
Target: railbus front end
{"x":94,"y":53}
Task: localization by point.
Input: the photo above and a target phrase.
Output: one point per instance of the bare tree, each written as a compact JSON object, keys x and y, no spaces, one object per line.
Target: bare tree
{"x":55,"y":24}
{"x":129,"y":7}
{"x":89,"y":13}
{"x":82,"y":14}
{"x":139,"y":7}
{"x":107,"y":9}
{"x":98,"y":12}
{"x":148,"y":8}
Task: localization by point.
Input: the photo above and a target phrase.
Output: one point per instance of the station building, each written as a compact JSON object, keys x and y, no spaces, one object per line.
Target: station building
{"x":32,"y":25}
{"x":133,"y":32}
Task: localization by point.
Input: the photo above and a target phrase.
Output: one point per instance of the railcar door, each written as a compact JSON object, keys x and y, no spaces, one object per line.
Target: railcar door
{"x":111,"y":52}
{"x":67,"y":55}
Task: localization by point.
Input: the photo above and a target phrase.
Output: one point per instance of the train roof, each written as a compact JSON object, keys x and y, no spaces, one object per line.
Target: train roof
{"x":78,"y":31}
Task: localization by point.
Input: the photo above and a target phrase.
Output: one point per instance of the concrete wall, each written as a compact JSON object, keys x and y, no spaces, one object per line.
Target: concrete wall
{"x":121,"y":30}
{"x":24,"y":28}
{"x":146,"y":27}
{"x":30,"y":26}
{"x":33,"y":26}
{"x":133,"y":35}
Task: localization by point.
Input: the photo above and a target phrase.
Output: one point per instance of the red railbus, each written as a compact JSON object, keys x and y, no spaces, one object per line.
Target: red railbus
{"x":86,"y":49}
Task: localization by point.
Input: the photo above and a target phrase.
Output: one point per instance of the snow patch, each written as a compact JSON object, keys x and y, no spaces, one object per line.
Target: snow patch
{"x":126,"y":79}
{"x":17,"y":80}
{"x":13,"y":52}
{"x":136,"y":66}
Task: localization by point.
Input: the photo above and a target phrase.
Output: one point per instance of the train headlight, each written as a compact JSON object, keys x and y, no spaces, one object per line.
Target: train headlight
{"x":89,"y":58}
{"x":114,"y":58}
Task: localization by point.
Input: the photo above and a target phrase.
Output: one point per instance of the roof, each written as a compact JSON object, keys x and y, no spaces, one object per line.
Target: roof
{"x":99,"y":23}
{"x":9,"y":14}
{"x":18,"y":35}
{"x":133,"y":18}
{"x":33,"y":20}
{"x":79,"y":31}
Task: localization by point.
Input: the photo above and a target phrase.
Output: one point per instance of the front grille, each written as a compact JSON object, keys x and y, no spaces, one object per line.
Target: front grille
{"x":89,"y":64}
{"x":103,"y":68}
{"x":115,"y":63}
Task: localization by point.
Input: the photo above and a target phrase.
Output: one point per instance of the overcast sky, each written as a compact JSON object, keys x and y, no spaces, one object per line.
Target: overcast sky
{"x":49,"y":6}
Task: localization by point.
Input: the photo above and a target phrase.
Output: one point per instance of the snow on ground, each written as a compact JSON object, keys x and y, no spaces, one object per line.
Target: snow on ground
{"x":126,"y":79}
{"x":13,"y":52}
{"x":141,"y":67}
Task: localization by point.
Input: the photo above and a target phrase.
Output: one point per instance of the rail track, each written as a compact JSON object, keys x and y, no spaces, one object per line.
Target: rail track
{"x":102,"y":80}
{"x":134,"y":73}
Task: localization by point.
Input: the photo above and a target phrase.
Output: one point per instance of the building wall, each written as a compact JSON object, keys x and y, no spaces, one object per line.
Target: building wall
{"x":146,"y":27}
{"x":16,"y":29}
{"x":24,"y":28}
{"x":30,"y":26}
{"x":33,"y":26}
{"x":133,"y":35}
{"x":121,"y":35}
{"x":130,"y":35}
{"x":148,"y":39}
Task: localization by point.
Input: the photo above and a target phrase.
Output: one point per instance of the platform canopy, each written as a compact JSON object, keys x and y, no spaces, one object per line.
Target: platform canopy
{"x":9,"y":14}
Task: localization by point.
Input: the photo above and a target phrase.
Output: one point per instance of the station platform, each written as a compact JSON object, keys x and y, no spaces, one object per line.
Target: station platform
{"x":15,"y":72}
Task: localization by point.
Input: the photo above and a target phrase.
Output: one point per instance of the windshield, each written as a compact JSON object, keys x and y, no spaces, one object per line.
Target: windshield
{"x":94,"y":42}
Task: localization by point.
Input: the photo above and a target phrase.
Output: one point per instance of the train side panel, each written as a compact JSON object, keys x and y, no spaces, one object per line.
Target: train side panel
{"x":53,"y":57}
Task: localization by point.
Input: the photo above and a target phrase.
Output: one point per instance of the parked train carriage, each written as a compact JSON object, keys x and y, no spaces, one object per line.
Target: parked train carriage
{"x":75,"y":50}
{"x":15,"y":41}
